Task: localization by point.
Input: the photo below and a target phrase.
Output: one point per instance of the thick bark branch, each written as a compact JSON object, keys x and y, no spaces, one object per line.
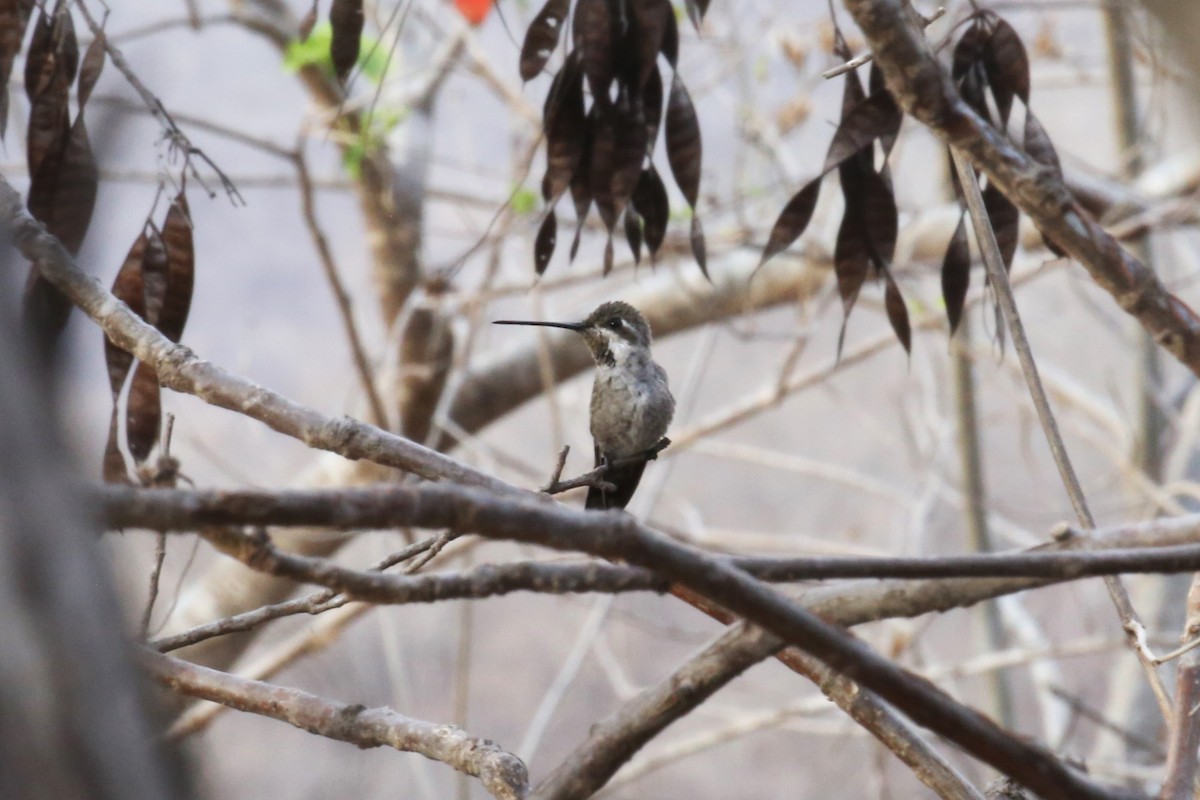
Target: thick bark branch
{"x":399,"y":506}
{"x":615,"y":740}
{"x":924,"y":90}
{"x":617,"y":536}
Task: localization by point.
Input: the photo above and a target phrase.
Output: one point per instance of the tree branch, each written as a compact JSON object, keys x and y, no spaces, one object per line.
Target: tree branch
{"x":924,"y":90}
{"x":180,"y":369}
{"x":616,"y":536}
{"x":501,"y":773}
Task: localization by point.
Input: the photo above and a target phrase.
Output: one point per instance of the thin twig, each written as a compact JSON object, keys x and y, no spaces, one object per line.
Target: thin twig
{"x":160,"y":555}
{"x":998,"y":276}
{"x":176,"y":138}
{"x":867,"y":58}
{"x":313,"y":603}
{"x":559,"y":465}
{"x":595,"y":478}
{"x":366,"y":375}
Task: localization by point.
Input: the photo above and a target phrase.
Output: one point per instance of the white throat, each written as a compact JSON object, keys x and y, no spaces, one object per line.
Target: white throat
{"x":620,"y":349}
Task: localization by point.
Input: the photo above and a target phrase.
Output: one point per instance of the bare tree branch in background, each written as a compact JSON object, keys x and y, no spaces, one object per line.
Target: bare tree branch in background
{"x":501,"y":773}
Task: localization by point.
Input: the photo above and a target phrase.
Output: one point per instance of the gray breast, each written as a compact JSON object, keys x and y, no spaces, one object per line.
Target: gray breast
{"x":631,"y":408}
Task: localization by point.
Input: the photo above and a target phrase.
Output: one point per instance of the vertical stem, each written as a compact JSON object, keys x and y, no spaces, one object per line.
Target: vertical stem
{"x":1128,"y":134}
{"x":975,"y":493}
{"x":1185,"y":722}
{"x":1134,"y":629}
{"x":462,"y":680}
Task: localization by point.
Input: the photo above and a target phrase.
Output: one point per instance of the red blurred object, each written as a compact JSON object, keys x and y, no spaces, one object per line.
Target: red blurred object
{"x":475,"y":11}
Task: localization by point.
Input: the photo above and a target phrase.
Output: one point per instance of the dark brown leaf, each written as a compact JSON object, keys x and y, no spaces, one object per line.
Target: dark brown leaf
{"x":129,"y":289}
{"x":650,"y":27}
{"x":543,"y":245}
{"x":113,"y":469}
{"x":851,"y":260}
{"x":670,"y":42}
{"x":897,"y":312}
{"x":699,"y":250}
{"x":684,"y":150}
{"x":696,"y":10}
{"x":575,"y":241}
{"x":1005,"y":222}
{"x":181,"y":268}
{"x":604,"y":147}
{"x":91,"y":67}
{"x":793,"y":220}
{"x":650,"y":200}
{"x":346,"y":19}
{"x":1007,"y":67}
{"x":66,"y":44}
{"x":972,"y":90}
{"x":867,"y":235}
{"x":63,"y":194}
{"x":564,"y":123}
{"x":542,"y":38}
{"x":869,"y":196}
{"x":956,"y":274}
{"x":155,"y":272}
{"x":877,"y":117}
{"x":891,"y":130}
{"x":595,"y":37}
{"x":608,"y":255}
{"x":581,"y":190}
{"x":969,"y":50}
{"x":49,"y":127}
{"x":143,"y":412}
{"x":633,"y":233}
{"x":629,"y":151}
{"x":14,"y":18}
{"x":1038,"y":145}
{"x":39,"y":61}
{"x":652,"y":107}
{"x":49,"y":71}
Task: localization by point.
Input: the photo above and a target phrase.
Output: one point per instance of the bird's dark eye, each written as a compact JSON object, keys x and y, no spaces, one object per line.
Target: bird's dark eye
{"x":613,"y":324}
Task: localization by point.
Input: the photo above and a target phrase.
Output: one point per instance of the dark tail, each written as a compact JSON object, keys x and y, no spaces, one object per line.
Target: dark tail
{"x":625,"y":479}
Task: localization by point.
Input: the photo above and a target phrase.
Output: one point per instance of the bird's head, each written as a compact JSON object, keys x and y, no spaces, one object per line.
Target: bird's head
{"x":611,"y":332}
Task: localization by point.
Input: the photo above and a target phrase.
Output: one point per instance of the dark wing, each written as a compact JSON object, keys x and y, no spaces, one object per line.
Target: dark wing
{"x":625,"y":478}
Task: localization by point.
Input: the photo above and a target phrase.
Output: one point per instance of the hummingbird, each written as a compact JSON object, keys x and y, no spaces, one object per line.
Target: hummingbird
{"x":631,"y":403}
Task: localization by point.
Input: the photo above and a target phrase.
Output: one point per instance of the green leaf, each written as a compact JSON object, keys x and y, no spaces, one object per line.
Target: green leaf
{"x":352,"y":158}
{"x":524,"y":201}
{"x":314,"y":51}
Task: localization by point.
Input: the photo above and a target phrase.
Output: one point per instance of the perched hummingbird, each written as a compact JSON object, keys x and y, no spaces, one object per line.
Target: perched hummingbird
{"x":631,"y":404}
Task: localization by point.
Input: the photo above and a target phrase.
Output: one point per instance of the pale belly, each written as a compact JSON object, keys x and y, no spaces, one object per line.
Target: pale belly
{"x":629,"y":417}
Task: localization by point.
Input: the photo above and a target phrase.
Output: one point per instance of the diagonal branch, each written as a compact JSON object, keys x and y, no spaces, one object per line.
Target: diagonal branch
{"x":501,"y":773}
{"x":617,"y":536}
{"x":180,"y":369}
{"x":923,"y":88}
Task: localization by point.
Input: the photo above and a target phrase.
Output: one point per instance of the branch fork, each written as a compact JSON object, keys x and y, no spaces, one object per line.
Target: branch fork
{"x":595,"y":478}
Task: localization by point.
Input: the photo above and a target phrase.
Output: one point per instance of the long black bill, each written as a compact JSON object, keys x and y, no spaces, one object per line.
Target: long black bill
{"x":571,"y":326}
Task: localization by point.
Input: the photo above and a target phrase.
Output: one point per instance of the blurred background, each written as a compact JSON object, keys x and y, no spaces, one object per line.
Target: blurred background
{"x":780,"y":448}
